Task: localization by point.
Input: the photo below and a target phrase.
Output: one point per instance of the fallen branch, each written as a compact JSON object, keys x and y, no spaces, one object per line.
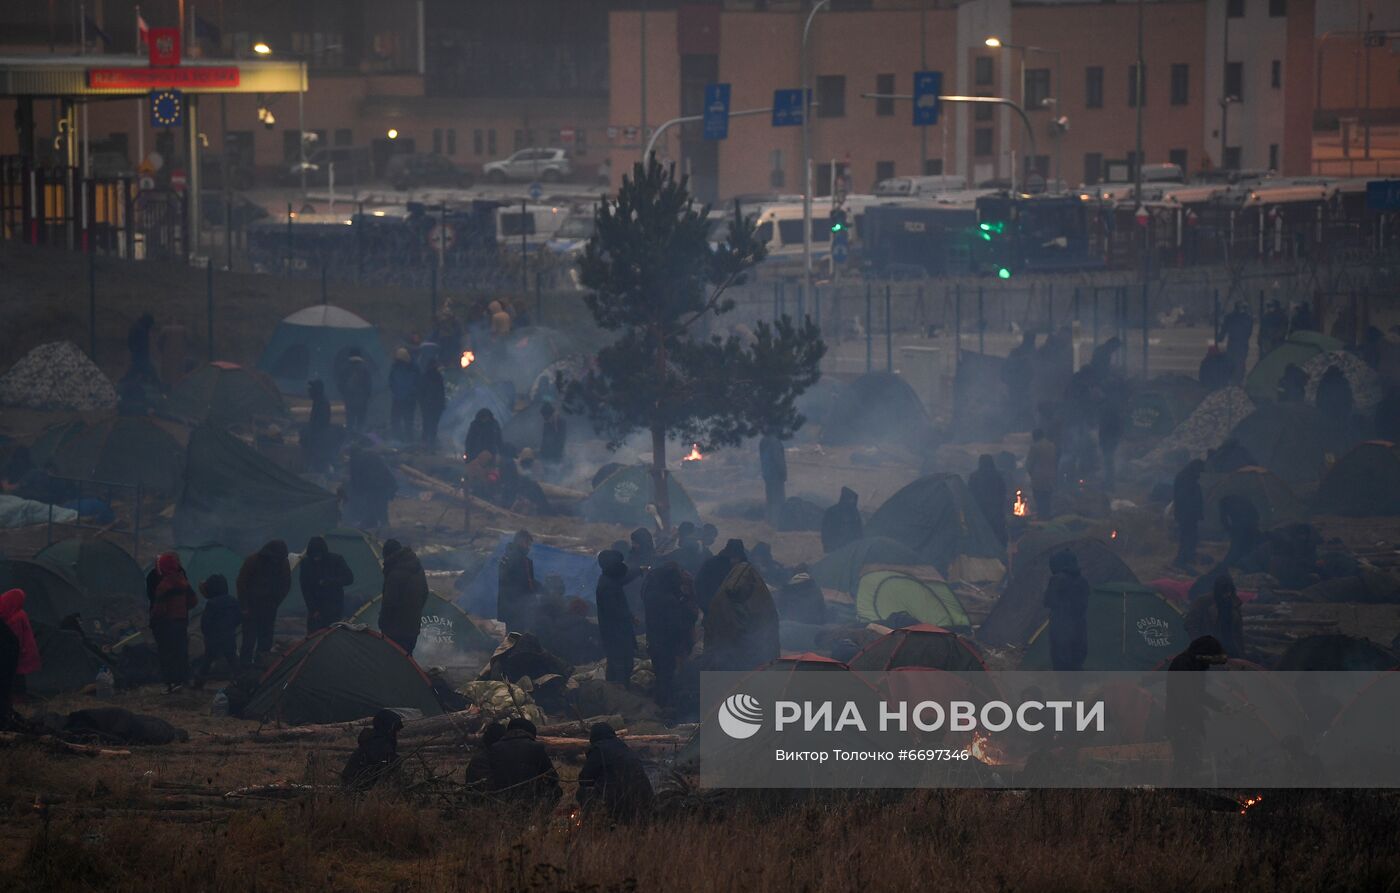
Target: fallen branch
{"x":456,"y":493}
{"x":61,"y":746}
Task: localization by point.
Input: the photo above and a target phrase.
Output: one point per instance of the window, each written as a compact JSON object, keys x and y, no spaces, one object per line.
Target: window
{"x":884,"y":83}
{"x":790,"y":231}
{"x":344,"y":137}
{"x":519,"y":142}
{"x":1276,"y":74}
{"x":821,"y":184}
{"x":982,"y":141}
{"x":1178,"y":158}
{"x":1037,"y":88}
{"x":478,"y":142}
{"x":1093,"y":167}
{"x":1181,"y":83}
{"x":1038,"y":164}
{"x":1234,"y":80}
{"x":1234,"y":9}
{"x":933,"y":167}
{"x":491,"y":142}
{"x":1134,"y":89}
{"x":437,"y":141}
{"x":1278,"y":9}
{"x":776,"y":177}
{"x":1273,"y":156}
{"x":1093,"y":87}
{"x":1232,"y":158}
{"x":884,"y":170}
{"x":831,"y":96}
{"x":982,"y":71}
{"x":982,"y":111}
{"x":451,"y":142}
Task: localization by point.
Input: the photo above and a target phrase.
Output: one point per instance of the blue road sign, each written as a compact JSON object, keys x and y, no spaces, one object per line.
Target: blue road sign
{"x":840,"y":246}
{"x":927,"y":86}
{"x":1383,"y":195}
{"x":787,"y":108}
{"x":536,"y":190}
{"x":167,"y":108}
{"x":716,"y":111}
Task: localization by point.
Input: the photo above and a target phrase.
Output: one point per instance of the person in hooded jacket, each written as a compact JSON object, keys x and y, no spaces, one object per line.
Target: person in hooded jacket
{"x":841,"y":523}
{"x":741,"y":622}
{"x":317,"y":441}
{"x":263,"y":582}
{"x":403,"y":394}
{"x":615,"y":624}
{"x":714,"y":571}
{"x":368,"y":491}
{"x":613,"y":778}
{"x":27,"y":659}
{"x":171,"y":597}
{"x":432,"y":401}
{"x":521,"y":771}
{"x":323,"y":575}
{"x":668,"y":598}
{"x":642,"y":553}
{"x":1335,"y":401}
{"x":478,"y":774}
{"x":1189,"y":508}
{"x":9,"y":666}
{"x":356,"y":383}
{"x":517,"y":590}
{"x":1220,"y":614}
{"x":376,"y":755}
{"x":405,"y":595}
{"x":553,"y":434}
{"x":483,"y":436}
{"x":988,"y":489}
{"x":1067,"y":598}
{"x":219,"y":626}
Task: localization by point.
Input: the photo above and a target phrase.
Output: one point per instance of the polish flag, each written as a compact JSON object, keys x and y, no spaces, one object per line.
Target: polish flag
{"x":143,"y":31}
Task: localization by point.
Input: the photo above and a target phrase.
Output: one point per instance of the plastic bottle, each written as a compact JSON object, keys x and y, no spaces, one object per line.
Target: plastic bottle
{"x":106,"y":683}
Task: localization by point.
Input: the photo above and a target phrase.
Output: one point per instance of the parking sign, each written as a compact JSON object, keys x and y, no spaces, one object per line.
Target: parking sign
{"x":927,"y":86}
{"x":716,"y":111}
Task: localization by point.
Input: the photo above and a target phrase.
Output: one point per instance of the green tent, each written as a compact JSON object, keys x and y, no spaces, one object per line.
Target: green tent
{"x":316,"y":343}
{"x":1262,"y":381}
{"x":50,"y":592}
{"x":1131,"y":627}
{"x":101,"y":567}
{"x":878,"y":407}
{"x":340,"y":674}
{"x":446,"y":627}
{"x":67,"y":664}
{"x":1153,"y":414}
{"x":124,"y":450}
{"x":1363,"y":483}
{"x":1290,"y":439}
{"x":936,"y":518}
{"x":1021,"y":608}
{"x":883,"y":594}
{"x":47,"y":444}
{"x":235,"y":495}
{"x":1275,"y":500}
{"x":361,"y":552}
{"x":623,"y":498}
{"x":226,"y":394}
{"x":841,"y":570}
{"x":204,"y":561}
{"x":918,"y":647}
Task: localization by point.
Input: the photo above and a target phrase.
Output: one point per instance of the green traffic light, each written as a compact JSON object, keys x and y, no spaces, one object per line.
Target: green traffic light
{"x":1003,"y":273}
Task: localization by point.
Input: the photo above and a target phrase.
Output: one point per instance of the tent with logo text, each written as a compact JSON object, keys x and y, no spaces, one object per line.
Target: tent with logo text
{"x":623,"y":498}
{"x":1131,"y":627}
{"x":444,"y":624}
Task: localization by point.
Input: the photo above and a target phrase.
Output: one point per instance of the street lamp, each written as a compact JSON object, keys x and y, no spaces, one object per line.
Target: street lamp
{"x":263,"y":49}
{"x":807,"y":150}
{"x":392,"y":134}
{"x":996,"y":43}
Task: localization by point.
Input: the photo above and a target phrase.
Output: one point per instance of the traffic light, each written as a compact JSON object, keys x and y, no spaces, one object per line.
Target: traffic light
{"x":838,"y":220}
{"x":1003,"y":273}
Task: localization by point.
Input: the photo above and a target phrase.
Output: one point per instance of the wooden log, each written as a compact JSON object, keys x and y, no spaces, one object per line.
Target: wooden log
{"x":49,"y":742}
{"x":456,"y":493}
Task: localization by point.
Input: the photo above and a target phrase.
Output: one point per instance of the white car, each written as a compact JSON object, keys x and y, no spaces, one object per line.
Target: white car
{"x":549,"y":165}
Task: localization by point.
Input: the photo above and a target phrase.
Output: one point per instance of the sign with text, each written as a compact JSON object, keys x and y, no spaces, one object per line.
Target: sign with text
{"x":716,"y":115}
{"x":787,"y":108}
{"x":186,"y":78}
{"x":927,"y":86}
{"x":1383,"y":195}
{"x":163,"y":46}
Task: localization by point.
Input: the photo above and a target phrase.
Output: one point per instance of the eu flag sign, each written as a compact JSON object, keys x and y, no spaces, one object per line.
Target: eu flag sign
{"x":716,"y":116}
{"x":167,"y":108}
{"x":927,"y":86}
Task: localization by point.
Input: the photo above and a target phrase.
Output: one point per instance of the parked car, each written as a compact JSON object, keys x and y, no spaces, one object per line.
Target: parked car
{"x":550,"y":165}
{"x":352,"y":166}
{"x":412,"y":171}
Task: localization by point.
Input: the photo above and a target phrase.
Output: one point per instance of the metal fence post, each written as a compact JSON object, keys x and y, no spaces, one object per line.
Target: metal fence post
{"x":777,"y":301}
{"x":869,"y":335}
{"x":1215,"y":316}
{"x":92,"y":304}
{"x":323,"y":282}
{"x":957,"y":324}
{"x":889,"y":331}
{"x":801,"y":302}
{"x":432,"y":291}
{"x":981,"y":323}
{"x":360,"y":244}
{"x":1050,"y":307}
{"x":539,"y":299}
{"x":817,"y":306}
{"x":209,"y":306}
{"x":289,"y":237}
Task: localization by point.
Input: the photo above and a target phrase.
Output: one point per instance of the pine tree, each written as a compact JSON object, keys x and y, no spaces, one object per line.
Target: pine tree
{"x":654,"y":280}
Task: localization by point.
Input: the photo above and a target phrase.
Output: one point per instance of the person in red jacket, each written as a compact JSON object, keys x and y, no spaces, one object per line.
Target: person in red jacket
{"x":171,"y":597}
{"x":17,"y":620}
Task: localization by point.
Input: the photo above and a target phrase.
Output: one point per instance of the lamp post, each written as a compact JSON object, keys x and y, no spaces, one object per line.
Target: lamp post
{"x":997,"y":43}
{"x":807,"y":149}
{"x":262,"y":48}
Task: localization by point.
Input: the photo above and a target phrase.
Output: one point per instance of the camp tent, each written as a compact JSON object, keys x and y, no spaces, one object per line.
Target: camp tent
{"x":1334,"y":651}
{"x":204,"y":561}
{"x":237,"y":496}
{"x":1275,"y":500}
{"x":361,"y":552}
{"x":340,"y":674}
{"x":878,"y":407}
{"x":124,"y":450}
{"x":521,"y":356}
{"x":883,"y":594}
{"x":1290,"y":439}
{"x":67,"y":664}
{"x":45,"y":447}
{"x":623,"y":498}
{"x":316,"y":343}
{"x":1262,"y":381}
{"x":101,"y":567}
{"x":1364,"y":482}
{"x":579,"y":572}
{"x":1154,"y":412}
{"x":226,"y":394}
{"x":936,"y":518}
{"x":1021,"y":609}
{"x":923,"y":646}
{"x":1131,"y":627}
{"x":50,"y":592}
{"x":841,"y":570}
{"x":1366,"y":387}
{"x":445,"y":627}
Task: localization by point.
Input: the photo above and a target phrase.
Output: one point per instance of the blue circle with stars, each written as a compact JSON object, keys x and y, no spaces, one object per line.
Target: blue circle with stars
{"x":166,"y":107}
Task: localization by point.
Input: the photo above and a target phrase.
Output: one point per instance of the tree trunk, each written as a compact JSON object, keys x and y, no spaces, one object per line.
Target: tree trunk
{"x":658,"y":476}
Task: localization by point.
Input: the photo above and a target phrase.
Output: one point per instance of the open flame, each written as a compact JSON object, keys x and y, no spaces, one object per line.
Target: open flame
{"x":694,"y":455}
{"x":985,"y":751}
{"x":1019,"y":507}
{"x":1250,"y":802}
{"x":468,"y":358}
{"x":1113,"y":535}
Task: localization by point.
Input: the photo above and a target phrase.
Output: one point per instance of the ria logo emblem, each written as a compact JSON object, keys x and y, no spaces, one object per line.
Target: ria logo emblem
{"x":740,"y":716}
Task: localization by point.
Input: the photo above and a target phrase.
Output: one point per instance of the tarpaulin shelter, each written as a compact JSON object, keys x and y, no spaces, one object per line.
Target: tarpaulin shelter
{"x":361,"y":552}
{"x":1274,"y":499}
{"x":67,"y":663}
{"x":340,"y":674}
{"x":1262,"y":381}
{"x":922,"y":646}
{"x":444,"y":625}
{"x":878,"y":407}
{"x":883,"y":594}
{"x":1131,"y":627}
{"x":124,"y":450}
{"x":1021,"y":609}
{"x":623,"y":498}
{"x":315,"y":343}
{"x":841,"y":570}
{"x":1363,"y":482}
{"x":579,"y":572}
{"x":226,"y":394}
{"x":936,"y":518}
{"x":235,"y":495}
{"x":1290,"y":439}
{"x":50,"y":592}
{"x":101,"y":567}
{"x":1335,"y":651}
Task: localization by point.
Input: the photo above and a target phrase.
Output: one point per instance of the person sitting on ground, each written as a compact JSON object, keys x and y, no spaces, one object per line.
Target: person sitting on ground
{"x":376,"y":756}
{"x":478,"y":776}
{"x":520,"y":768}
{"x":841,"y":523}
{"x":613,"y":778}
{"x":219,"y":626}
{"x":483,"y":436}
{"x":800,"y":599}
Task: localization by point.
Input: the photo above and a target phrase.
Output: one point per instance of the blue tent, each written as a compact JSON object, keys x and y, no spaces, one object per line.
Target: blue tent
{"x":579,"y":572}
{"x":315,"y":343}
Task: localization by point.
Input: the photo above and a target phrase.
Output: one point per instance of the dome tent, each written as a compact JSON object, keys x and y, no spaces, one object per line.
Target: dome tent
{"x":101,"y":567}
{"x":1290,"y":439}
{"x":124,"y":450}
{"x":207,"y":559}
{"x":624,"y":496}
{"x":579,"y":572}
{"x":50,"y":592}
{"x":1335,"y":651}
{"x":842,"y":570}
{"x":936,"y":518}
{"x":446,"y":627}
{"x":1131,"y":627}
{"x":340,"y":674}
{"x":1363,"y":483}
{"x":1366,"y":389}
{"x":57,"y":376}
{"x":66,"y":664}
{"x":878,"y":407}
{"x":1262,"y":381}
{"x":1021,"y":608}
{"x":923,"y":646}
{"x":361,"y":552}
{"x":883,"y":594}
{"x":226,"y":394}
{"x":1275,"y":500}
{"x":315,"y":343}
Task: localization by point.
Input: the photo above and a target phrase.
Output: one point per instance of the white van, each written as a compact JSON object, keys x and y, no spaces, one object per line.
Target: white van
{"x":537,"y":222}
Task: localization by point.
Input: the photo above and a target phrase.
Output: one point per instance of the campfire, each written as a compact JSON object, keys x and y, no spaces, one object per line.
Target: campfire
{"x":468,"y":358}
{"x":1250,"y":802}
{"x":1113,"y":535}
{"x":694,"y":455}
{"x":985,"y":751}
{"x":1019,"y":507}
